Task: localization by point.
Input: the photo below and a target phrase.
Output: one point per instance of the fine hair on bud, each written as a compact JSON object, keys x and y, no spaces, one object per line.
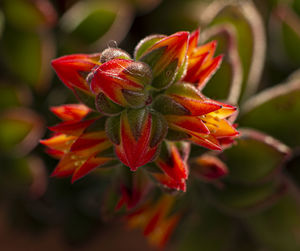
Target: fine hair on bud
{"x":140,"y":71}
{"x":113,"y":53}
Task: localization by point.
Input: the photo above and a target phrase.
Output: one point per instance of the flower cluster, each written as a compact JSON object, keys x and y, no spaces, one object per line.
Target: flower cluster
{"x":141,"y":112}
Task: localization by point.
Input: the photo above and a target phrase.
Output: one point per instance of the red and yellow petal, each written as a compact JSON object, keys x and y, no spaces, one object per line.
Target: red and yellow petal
{"x":175,"y":167}
{"x":169,"y":182}
{"x":71,"y":112}
{"x":225,"y":112}
{"x":194,"y":68}
{"x":193,"y":42}
{"x":208,"y":70}
{"x":176,"y":49}
{"x":209,"y":47}
{"x":91,"y":142}
{"x":187,"y":123}
{"x":71,"y":127}
{"x":207,"y":141}
{"x":110,"y":79}
{"x":161,"y":235}
{"x":60,"y":142}
{"x":73,"y":69}
{"x":89,"y":165}
{"x":196,"y":107}
{"x":67,"y":165}
{"x":219,"y":127}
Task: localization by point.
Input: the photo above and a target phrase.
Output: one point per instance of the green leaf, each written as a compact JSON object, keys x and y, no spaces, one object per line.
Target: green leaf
{"x":15,"y":174}
{"x":277,"y":228}
{"x":291,"y":35}
{"x":254,"y":158}
{"x":226,"y":82}
{"x":275,"y":111}
{"x":20,"y":130}
{"x":13,"y":95}
{"x":240,"y":199}
{"x":29,"y":15}
{"x":88,"y":21}
{"x":27,"y":55}
{"x":250,"y":40}
{"x":2,"y":20}
{"x":204,"y":230}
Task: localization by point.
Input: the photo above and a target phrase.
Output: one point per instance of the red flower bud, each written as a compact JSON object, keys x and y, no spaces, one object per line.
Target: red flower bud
{"x":172,"y":163}
{"x":73,"y":69}
{"x":113,"y":53}
{"x":208,"y":167}
{"x":123,"y":81}
{"x":136,"y":135}
{"x":200,"y":119}
{"x":165,"y":57}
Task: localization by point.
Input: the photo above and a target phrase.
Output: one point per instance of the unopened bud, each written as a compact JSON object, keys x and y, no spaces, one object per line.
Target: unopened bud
{"x":113,"y":53}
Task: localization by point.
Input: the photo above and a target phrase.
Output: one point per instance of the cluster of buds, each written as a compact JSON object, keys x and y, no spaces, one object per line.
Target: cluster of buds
{"x":140,"y":112}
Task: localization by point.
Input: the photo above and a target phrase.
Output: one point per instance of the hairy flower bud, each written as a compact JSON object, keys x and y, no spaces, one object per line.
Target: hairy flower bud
{"x":165,"y":57}
{"x":113,"y":53}
{"x":123,"y":81}
{"x":73,"y":69}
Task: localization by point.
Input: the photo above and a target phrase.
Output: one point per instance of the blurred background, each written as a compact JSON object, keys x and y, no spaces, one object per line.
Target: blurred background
{"x":261,"y":43}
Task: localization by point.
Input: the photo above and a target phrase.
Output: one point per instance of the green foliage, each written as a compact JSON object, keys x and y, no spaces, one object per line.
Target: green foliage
{"x":255,"y":207}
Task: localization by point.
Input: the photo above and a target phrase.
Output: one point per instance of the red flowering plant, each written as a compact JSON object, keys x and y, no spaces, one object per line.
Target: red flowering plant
{"x":143,"y":113}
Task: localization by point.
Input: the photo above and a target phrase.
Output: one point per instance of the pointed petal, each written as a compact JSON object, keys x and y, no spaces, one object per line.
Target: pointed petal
{"x":187,"y":123}
{"x":168,"y":182}
{"x":194,"y":66}
{"x":219,"y":127}
{"x":210,"y":47}
{"x":176,"y":48}
{"x":72,"y":128}
{"x":190,"y":98}
{"x":90,"y":141}
{"x":59,"y":142}
{"x":162,"y":234}
{"x":134,"y":150}
{"x":71,"y":111}
{"x":165,"y":58}
{"x":67,"y":165}
{"x":206,"y":73}
{"x":197,"y":107}
{"x":225,"y":112}
{"x":73,"y":69}
{"x":176,"y":168}
{"x":207,"y":141}
{"x":55,"y":153}
{"x":193,"y":41}
{"x":88,"y":166}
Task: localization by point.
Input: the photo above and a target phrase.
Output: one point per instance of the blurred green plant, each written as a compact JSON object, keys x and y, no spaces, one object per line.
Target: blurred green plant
{"x":254,"y":206}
